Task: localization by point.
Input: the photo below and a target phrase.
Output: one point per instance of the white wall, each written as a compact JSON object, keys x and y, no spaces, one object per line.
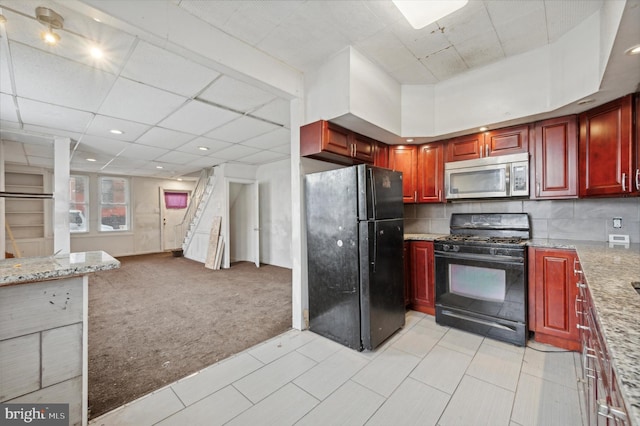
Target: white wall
{"x":241,"y":235}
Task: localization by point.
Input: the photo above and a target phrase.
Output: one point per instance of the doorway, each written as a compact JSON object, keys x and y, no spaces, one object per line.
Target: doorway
{"x":243,"y":226}
{"x":174,"y":206}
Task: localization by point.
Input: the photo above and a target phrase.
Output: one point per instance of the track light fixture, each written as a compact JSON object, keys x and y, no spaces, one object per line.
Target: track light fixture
{"x":53,"y":21}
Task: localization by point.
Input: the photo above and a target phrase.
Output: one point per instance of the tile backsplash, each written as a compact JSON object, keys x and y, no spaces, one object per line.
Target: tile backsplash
{"x":587,"y":220}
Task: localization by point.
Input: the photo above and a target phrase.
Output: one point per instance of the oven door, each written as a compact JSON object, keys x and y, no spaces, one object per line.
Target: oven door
{"x":485,"y":294}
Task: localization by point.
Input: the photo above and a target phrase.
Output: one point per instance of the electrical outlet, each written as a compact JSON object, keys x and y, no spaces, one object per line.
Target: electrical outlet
{"x":617,"y":222}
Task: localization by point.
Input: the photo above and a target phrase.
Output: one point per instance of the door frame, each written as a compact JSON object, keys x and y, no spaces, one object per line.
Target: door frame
{"x":255,"y":216}
{"x":163,"y":210}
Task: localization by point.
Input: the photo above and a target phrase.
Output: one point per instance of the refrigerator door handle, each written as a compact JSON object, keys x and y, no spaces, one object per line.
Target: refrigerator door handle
{"x":375,"y":245}
{"x":373,"y":193}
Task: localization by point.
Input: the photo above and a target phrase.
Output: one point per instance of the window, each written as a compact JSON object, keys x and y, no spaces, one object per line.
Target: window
{"x":176,"y":200}
{"x":114,"y":204}
{"x":78,"y":203}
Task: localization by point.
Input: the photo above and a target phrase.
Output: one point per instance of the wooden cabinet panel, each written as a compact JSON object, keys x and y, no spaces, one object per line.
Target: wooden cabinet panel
{"x":510,"y":140}
{"x":636,"y":145}
{"x":554,"y":157}
{"x":430,"y":173}
{"x":326,"y":141}
{"x":403,"y":158}
{"x":422,"y":277}
{"x":465,"y":147}
{"x":552,"y":294}
{"x":606,"y":149}
{"x":406,"y":253}
{"x":381,"y":156}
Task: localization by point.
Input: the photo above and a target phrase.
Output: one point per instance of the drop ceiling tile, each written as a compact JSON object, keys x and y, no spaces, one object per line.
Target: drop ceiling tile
{"x":197,"y":118}
{"x":353,"y":19}
{"x":101,"y":126}
{"x":524,"y":33}
{"x":7,"y":108}
{"x":5,"y":76}
{"x":562,"y":16}
{"x":216,"y":13}
{"x":102,"y":145}
{"x":57,"y":80}
{"x":387,"y":50}
{"x":53,"y":116}
{"x":213,"y":145}
{"x":236,"y":94}
{"x":284,"y":149}
{"x":35,"y":161}
{"x":269,"y":140}
{"x":414,"y":73}
{"x":507,"y":10}
{"x":44,"y":151}
{"x":262,"y":157}
{"x":481,"y":50}
{"x":114,"y":44}
{"x":79,"y":159}
{"x":48,"y":132}
{"x":143,"y":152}
{"x":178,"y":157}
{"x":422,"y":42}
{"x":203,"y":162}
{"x":444,"y":64}
{"x":127,"y":162}
{"x":166,"y":70}
{"x":466,"y":23}
{"x":241,"y":129}
{"x":235,"y":152}
{"x":164,"y":138}
{"x":277,"y":111}
{"x":138,"y":102}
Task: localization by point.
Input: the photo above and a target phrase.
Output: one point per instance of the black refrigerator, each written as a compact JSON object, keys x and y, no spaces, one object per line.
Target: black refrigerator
{"x":355,"y":227}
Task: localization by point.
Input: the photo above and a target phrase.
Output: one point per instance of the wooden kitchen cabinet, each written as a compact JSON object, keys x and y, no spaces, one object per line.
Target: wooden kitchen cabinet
{"x":430,"y":178}
{"x":323,"y":140}
{"x":381,"y":155}
{"x":404,"y":158}
{"x":406,"y":255}
{"x":509,"y":140}
{"x":605,"y":149}
{"x":422,"y":277}
{"x":552,"y":297}
{"x":554,"y":158}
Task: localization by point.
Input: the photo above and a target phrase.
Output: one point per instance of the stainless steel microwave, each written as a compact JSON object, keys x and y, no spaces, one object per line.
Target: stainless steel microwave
{"x":488,"y":177}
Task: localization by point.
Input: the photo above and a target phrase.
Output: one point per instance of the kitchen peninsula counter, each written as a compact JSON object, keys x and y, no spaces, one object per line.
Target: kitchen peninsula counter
{"x":609,"y":272}
{"x":422,"y":237}
{"x":43,"y":329}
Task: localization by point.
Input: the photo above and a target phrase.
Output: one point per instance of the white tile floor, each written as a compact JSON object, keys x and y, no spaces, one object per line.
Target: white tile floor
{"x":424,"y":375}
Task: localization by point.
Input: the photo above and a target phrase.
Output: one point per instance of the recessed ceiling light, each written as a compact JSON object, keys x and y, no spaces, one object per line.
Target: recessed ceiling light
{"x":96,"y":52}
{"x":203,"y":148}
{"x":409,"y":140}
{"x":97,"y":19}
{"x":116,"y":131}
{"x":633,"y":50}
{"x":91,"y":159}
{"x":422,"y":13}
{"x":159,"y":167}
{"x":483,"y":129}
{"x":179,"y":179}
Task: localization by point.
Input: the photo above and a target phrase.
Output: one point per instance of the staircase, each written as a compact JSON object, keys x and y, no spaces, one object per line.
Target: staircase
{"x":185,"y":230}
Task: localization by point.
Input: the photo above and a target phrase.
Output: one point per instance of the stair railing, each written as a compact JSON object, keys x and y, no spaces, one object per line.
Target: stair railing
{"x":181,"y":229}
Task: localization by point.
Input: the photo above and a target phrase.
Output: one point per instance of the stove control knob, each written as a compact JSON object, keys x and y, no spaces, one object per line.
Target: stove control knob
{"x":492,"y":251}
{"x":456,"y":248}
{"x":446,"y":247}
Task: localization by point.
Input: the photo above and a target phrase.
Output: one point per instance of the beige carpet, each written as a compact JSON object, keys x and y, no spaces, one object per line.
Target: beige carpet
{"x":160,"y":318}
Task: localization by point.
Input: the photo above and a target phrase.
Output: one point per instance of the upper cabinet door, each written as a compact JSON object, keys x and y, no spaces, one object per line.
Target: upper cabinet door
{"x":554,"y":157}
{"x":337,"y":140}
{"x":381,"y":156}
{"x":605,"y":149}
{"x":430,"y":173}
{"x":363,"y":148}
{"x":510,"y":140}
{"x":465,"y":147}
{"x":636,"y":145}
{"x":403,"y":158}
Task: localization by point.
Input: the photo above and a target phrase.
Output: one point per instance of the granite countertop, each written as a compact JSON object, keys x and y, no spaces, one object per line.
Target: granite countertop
{"x":33,"y":269}
{"x":609,"y":272}
{"x":422,"y":237}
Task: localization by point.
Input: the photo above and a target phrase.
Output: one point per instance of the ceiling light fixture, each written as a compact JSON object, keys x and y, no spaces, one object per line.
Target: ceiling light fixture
{"x":483,"y":129}
{"x":586,"y":101}
{"x":2,"y":18}
{"x":91,"y":159}
{"x":96,"y":52}
{"x":116,"y":131}
{"x":203,"y":148}
{"x":422,"y":13}
{"x":633,"y":50}
{"x":409,"y":140}
{"x":159,"y":167}
{"x":53,"y":21}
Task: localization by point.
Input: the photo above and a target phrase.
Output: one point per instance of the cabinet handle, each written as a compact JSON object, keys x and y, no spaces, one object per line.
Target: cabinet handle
{"x":579,"y":284}
{"x":610,"y":412}
{"x":439,"y":194}
{"x":415,"y":196}
{"x":576,"y":271}
{"x":575,"y":306}
{"x":637,"y":179}
{"x":624,"y":182}
{"x":538,"y":189}
{"x":582,"y":327}
{"x":487,"y":150}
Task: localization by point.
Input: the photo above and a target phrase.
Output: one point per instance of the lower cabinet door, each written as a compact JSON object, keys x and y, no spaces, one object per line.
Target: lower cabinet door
{"x":422,"y":277}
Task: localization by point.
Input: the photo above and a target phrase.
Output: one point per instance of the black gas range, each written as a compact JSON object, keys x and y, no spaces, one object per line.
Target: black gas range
{"x":481,"y":278}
